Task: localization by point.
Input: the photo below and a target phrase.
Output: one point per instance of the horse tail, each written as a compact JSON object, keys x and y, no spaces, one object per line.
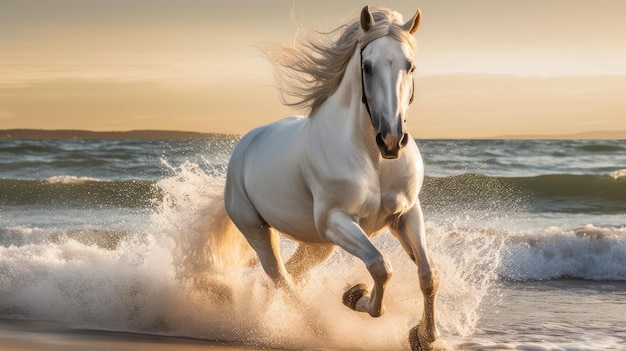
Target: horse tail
{"x":226,"y":247}
{"x":212,"y":250}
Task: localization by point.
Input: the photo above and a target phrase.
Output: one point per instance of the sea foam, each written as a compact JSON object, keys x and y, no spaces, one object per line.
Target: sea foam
{"x":180,"y":277}
{"x":66,"y":179}
{"x":589,"y":252}
{"x":620,"y":173}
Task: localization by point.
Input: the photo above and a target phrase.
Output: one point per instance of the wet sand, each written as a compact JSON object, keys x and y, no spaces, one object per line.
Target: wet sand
{"x":19,"y":335}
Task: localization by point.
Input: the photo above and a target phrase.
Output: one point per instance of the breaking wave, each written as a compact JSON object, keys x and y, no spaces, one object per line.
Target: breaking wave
{"x":180,"y":276}
{"x":589,"y":253}
{"x":569,"y":193}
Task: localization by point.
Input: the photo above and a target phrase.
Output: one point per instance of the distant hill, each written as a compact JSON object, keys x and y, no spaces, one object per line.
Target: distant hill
{"x":597,"y":135}
{"x":85,"y":134}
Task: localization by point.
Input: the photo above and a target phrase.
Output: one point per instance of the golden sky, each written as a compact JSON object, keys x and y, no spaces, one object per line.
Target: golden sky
{"x":485,"y":67}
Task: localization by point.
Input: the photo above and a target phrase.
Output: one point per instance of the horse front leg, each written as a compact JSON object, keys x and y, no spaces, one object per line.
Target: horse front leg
{"x":344,"y":231}
{"x":410,"y":231}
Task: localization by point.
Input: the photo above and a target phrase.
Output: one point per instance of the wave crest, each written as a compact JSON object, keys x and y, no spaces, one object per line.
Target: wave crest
{"x":620,"y":173}
{"x":589,"y":252}
{"x":66,"y":179}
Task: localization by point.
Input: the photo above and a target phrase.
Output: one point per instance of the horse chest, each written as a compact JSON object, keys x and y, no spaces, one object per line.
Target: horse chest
{"x":393,"y":202}
{"x":381,"y":205}
{"x":375,"y":196}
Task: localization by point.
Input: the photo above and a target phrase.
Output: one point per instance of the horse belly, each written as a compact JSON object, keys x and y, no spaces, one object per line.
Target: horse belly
{"x":288,"y":210}
{"x":273,"y":183}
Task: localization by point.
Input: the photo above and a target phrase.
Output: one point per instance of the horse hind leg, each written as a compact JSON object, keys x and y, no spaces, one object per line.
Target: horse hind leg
{"x":262,"y":238}
{"x":305,"y":258}
{"x":266,"y":242}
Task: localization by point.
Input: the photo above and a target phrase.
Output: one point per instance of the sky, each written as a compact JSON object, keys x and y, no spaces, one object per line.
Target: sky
{"x":484,"y":67}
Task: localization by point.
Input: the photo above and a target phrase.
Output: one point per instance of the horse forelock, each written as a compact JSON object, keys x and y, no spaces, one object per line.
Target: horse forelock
{"x":387,"y":23}
{"x":311,"y":71}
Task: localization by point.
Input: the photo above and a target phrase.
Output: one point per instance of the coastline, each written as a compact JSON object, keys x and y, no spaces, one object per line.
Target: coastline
{"x":40,"y":134}
{"x":149,"y":134}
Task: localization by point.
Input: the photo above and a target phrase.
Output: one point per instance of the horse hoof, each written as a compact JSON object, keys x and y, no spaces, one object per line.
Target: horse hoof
{"x":414,"y":339}
{"x":352,"y":295}
{"x":421,"y":345}
{"x":223,"y":293}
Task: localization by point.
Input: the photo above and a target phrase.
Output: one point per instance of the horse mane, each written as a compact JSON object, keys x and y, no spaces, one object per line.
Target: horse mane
{"x":311,"y":70}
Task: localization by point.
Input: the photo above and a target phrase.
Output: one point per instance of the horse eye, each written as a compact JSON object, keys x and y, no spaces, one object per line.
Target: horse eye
{"x":410,"y":66}
{"x":367,"y":67}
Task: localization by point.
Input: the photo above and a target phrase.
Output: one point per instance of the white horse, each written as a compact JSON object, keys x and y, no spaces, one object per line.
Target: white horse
{"x":347,"y":172}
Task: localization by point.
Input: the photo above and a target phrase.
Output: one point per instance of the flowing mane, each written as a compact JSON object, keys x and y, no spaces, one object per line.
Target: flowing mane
{"x":310,"y":71}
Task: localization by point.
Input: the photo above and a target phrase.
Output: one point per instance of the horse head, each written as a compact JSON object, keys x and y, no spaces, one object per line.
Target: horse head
{"x":387,"y":67}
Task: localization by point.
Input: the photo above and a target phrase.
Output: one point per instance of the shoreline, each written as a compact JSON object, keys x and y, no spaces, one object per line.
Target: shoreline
{"x":20,"y":335}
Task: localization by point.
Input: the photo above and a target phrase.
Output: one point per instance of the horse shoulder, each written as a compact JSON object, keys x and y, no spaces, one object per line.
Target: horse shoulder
{"x":339,"y":184}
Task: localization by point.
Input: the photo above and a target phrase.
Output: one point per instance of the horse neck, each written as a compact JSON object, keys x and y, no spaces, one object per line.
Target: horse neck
{"x":344,"y":112}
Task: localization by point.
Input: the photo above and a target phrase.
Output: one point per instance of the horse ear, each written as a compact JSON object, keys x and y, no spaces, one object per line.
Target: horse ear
{"x":414,"y":23}
{"x":367,"y":20}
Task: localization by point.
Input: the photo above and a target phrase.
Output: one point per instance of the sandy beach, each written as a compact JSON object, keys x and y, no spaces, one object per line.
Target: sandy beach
{"x":20,"y":335}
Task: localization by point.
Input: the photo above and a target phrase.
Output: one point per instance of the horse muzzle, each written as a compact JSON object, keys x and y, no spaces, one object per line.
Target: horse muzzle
{"x":391,"y":145}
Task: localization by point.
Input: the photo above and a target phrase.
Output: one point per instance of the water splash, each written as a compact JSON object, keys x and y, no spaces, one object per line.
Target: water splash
{"x":192,"y":215}
{"x":181,"y":276}
{"x":620,"y":173}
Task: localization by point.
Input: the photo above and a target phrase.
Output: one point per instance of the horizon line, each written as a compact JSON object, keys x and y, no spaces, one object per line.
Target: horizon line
{"x":39,"y":134}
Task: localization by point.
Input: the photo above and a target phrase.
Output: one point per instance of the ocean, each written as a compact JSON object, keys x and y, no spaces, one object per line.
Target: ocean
{"x":115,"y":235}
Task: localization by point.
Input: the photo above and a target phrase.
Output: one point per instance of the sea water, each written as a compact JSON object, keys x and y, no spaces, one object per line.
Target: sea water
{"x":529,"y":237}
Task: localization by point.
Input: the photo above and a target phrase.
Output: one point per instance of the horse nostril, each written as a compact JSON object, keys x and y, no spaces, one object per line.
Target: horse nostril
{"x":379,"y":141}
{"x":405,"y":140}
